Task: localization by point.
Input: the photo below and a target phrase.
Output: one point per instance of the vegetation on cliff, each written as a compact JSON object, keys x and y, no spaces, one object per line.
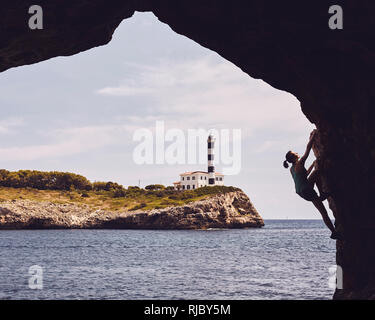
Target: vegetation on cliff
{"x":62,"y":187}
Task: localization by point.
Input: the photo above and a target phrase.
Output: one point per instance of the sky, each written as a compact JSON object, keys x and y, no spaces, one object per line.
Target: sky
{"x":79,"y":114}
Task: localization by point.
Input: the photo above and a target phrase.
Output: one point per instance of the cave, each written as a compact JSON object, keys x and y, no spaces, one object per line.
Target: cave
{"x":288,"y":45}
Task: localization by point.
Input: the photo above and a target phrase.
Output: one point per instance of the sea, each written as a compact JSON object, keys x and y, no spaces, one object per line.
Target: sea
{"x":286,"y":259}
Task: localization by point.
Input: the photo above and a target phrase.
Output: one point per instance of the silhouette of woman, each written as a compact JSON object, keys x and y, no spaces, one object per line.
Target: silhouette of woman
{"x":305,"y":180}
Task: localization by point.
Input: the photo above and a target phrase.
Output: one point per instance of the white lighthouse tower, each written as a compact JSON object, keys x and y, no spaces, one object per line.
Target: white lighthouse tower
{"x":211,"y":155}
{"x":197,"y":179}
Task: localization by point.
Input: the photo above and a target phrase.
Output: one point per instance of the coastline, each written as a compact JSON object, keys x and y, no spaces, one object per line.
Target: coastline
{"x":228,"y":210}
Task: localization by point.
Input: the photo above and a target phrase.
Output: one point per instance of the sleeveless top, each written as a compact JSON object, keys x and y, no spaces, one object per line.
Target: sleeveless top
{"x":300,"y":179}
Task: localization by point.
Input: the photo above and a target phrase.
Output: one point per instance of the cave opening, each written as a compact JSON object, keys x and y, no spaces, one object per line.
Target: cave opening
{"x":87,"y":106}
{"x":148,"y":73}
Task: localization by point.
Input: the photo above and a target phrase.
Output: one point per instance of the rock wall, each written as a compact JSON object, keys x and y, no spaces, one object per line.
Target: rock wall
{"x":285,"y":43}
{"x":230,"y":210}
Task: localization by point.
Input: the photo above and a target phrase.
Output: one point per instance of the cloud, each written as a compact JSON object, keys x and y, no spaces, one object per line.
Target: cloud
{"x":67,"y":142}
{"x":7,"y":125}
{"x":209,"y":92}
{"x":124,"y":91}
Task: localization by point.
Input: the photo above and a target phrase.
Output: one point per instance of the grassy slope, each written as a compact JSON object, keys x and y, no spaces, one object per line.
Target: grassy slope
{"x":145,"y":200}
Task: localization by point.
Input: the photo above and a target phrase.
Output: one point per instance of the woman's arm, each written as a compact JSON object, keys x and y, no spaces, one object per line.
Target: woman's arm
{"x":308,"y":148}
{"x":311,"y":167}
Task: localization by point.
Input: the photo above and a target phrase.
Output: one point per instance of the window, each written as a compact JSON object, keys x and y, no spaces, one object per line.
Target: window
{"x":193,"y":186}
{"x":188,"y":187}
{"x":193,"y":178}
{"x":217,"y":179}
{"x":221,"y":179}
{"x":183,"y":187}
{"x":182,"y":178}
{"x":205,"y":178}
{"x":201,"y":178}
{"x":188,"y":178}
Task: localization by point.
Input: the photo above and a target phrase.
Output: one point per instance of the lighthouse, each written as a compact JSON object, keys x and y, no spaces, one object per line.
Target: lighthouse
{"x":211,"y":155}
{"x":197,"y":179}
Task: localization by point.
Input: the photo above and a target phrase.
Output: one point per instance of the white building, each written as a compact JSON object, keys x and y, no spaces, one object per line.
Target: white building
{"x":198,"y":179}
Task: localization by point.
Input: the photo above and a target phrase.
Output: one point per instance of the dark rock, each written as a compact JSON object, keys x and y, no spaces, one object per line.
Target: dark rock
{"x":286,"y":44}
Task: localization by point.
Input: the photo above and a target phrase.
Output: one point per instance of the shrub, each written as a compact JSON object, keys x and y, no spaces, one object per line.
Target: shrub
{"x":135,"y":191}
{"x":187,"y":195}
{"x":139,"y":206}
{"x":119,"y":193}
{"x":155,"y":187}
{"x":107,"y":186}
{"x":44,"y":180}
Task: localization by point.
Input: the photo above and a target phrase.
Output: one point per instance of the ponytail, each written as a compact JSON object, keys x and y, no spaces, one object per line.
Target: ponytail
{"x":288,"y":158}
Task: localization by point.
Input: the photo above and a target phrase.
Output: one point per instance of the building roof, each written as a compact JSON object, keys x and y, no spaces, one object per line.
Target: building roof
{"x":177,"y":182}
{"x":192,"y":172}
{"x":201,"y":172}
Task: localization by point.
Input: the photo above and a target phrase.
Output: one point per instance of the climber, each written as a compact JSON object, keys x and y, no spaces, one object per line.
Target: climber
{"x":304,"y":182}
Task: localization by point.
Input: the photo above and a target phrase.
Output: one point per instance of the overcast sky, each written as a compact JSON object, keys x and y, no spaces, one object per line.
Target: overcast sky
{"x":79,"y":114}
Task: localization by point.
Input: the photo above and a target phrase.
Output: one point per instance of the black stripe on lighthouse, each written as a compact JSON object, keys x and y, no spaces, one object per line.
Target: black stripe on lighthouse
{"x":210,"y":157}
{"x":211,"y":169}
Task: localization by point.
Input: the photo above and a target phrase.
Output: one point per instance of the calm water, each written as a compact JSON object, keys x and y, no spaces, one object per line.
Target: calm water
{"x":285,"y":260}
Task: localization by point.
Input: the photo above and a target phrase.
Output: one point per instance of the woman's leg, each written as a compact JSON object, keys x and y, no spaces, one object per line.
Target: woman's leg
{"x":314,"y":178}
{"x":320,"y":206}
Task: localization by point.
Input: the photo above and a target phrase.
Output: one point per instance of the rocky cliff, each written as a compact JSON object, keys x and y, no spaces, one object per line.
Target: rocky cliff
{"x":285,"y":43}
{"x":229,"y":210}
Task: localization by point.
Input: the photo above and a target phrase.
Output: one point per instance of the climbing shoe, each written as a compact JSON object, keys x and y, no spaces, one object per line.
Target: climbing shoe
{"x":336,"y":236}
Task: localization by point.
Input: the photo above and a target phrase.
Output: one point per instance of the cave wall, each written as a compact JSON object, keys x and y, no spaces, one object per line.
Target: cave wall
{"x":287,"y":44}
